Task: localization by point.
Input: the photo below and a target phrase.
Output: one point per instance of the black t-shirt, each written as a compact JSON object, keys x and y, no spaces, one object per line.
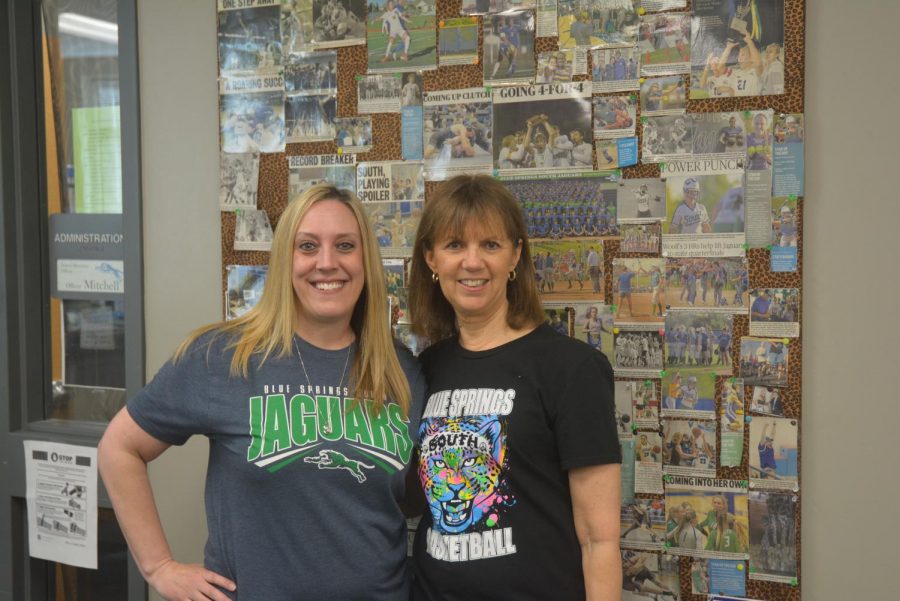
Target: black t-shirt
{"x":500,"y":430}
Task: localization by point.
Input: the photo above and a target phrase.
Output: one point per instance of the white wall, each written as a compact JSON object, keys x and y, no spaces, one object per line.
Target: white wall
{"x":850,"y":335}
{"x":851,"y":226}
{"x":182,"y":251}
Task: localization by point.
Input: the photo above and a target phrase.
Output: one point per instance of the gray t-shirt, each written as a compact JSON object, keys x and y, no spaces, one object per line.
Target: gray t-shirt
{"x":302,"y":486}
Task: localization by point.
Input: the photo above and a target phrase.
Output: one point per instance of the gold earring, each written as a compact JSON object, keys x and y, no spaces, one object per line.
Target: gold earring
{"x":434,"y":276}
{"x":513,"y":275}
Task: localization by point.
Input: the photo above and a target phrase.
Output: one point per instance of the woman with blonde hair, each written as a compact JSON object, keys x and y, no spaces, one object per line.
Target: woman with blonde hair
{"x":518,"y":447}
{"x":309,"y":408}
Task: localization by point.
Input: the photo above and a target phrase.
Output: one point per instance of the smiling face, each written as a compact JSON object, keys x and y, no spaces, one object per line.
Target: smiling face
{"x":473,"y":269}
{"x":327,"y":271}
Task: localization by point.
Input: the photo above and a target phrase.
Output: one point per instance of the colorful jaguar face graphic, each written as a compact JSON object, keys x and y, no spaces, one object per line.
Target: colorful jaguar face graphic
{"x":462,"y":460}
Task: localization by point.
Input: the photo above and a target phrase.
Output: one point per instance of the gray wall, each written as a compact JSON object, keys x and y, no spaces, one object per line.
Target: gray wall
{"x":182,"y":250}
{"x":850,"y":330}
{"x":850,"y":337}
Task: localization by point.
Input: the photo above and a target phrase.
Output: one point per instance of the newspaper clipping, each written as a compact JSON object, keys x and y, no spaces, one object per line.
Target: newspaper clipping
{"x":785,"y":234}
{"x":773,"y":537}
{"x":722,"y":576}
{"x":238,"y":180}
{"x":737,"y":48}
{"x":564,"y":271}
{"x":614,"y":116}
{"x":338,"y":23}
{"x":252,"y":230}
{"x":690,"y":447}
{"x":764,"y":361}
{"x":458,"y":41}
{"x":615,"y":69}
{"x":640,"y":237}
{"x":645,"y":404}
{"x":296,"y":26}
{"x":731,"y":448}
{"x":244,"y":288}
{"x":378,"y":93}
{"x":394,"y":194}
{"x":773,"y":466}
{"x":482,"y":7}
{"x":664,"y":42}
{"x":249,"y":36}
{"x":593,"y":23}
{"x":309,"y":118}
{"x":649,"y":576}
{"x":648,"y":463}
{"x":705,"y":208}
{"x":509,"y":48}
{"x":624,"y":421}
{"x":457,"y":133}
{"x":593,"y":324}
{"x":642,"y":524}
{"x":709,"y":517}
{"x":667,"y":137}
{"x":787,"y":178}
{"x":306,"y":171}
{"x":543,"y":128}
{"x":401,"y":36}
{"x":251,"y":113}
{"x":411,"y":117}
{"x":719,"y":135}
{"x":639,"y":290}
{"x":556,"y":66}
{"x":311,"y":73}
{"x":711,"y":284}
{"x":353,"y":134}
{"x":641,"y":199}
{"x":546,"y":19}
{"x":759,"y":176}
{"x":663,"y":95}
{"x":775,"y":312}
{"x":638,"y":350}
{"x":767,"y":400}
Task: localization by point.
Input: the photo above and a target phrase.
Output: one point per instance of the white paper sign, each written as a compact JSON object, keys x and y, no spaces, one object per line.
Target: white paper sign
{"x":61,"y":491}
{"x":79,"y":275}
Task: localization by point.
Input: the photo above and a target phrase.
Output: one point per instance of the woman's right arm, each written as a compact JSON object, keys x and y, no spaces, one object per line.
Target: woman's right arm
{"x":123,"y":455}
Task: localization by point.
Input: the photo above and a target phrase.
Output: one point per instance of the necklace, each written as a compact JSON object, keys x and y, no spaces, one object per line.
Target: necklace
{"x":327,"y":428}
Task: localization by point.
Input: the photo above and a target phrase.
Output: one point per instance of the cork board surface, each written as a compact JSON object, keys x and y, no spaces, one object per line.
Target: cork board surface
{"x":273,"y":192}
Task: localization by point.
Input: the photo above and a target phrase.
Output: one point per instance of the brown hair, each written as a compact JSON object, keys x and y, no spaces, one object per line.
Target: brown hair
{"x":268,"y":328}
{"x":455,"y":206}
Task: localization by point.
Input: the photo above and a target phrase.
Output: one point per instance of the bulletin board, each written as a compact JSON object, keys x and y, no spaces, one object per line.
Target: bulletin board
{"x":272,"y":197}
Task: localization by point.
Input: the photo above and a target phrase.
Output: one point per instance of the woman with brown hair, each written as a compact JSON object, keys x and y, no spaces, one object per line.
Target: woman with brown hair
{"x":518,"y":448}
{"x":310,"y":373}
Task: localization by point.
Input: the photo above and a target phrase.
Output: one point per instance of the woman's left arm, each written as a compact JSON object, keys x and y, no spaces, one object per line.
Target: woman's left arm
{"x":596,"y":505}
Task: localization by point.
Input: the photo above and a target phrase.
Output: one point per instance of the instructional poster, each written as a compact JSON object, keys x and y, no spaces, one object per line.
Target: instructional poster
{"x":61,"y":492}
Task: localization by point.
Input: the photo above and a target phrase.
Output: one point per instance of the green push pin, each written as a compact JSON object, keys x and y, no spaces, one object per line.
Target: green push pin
{"x":792,"y":197}
{"x":732,"y":379}
{"x":634,"y":427}
{"x":752,"y":570}
{"x":794,"y":581}
{"x":612,"y":308}
{"x":746,"y":114}
{"x":487,"y":89}
{"x":785,"y":341}
{"x":663,"y":373}
{"x":643,"y":119}
{"x":667,"y":545}
{"x":744,"y":483}
{"x":359,"y":78}
{"x":648,"y":383}
{"x":769,"y":247}
{"x":746,"y":246}
{"x":662,"y":166}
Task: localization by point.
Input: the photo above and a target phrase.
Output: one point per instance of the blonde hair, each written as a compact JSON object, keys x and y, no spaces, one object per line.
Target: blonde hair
{"x":456,"y":205}
{"x":268,"y":328}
